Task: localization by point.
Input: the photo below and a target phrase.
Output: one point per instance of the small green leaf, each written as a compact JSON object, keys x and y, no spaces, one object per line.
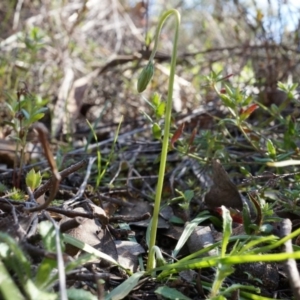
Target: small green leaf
{"x":160,"y":110}
{"x":170,"y":293}
{"x":25,"y":113}
{"x":13,"y":125}
{"x":80,"y":294}
{"x":21,"y":264}
{"x":263,"y":160}
{"x":41,"y":110}
{"x":9,"y":107}
{"x":227,"y":101}
{"x":294,"y":87}
{"x":274,"y":108}
{"x":156,"y":131}
{"x":47,"y":232}
{"x":188,"y":195}
{"x":176,"y":220}
{"x":247,"y":100}
{"x":228,"y":89}
{"x":45,"y":273}
{"x":33,"y":179}
{"x":188,"y":230}
{"x":156,"y":100}
{"x":121,"y":291}
{"x":36,"y":117}
{"x":281,"y":86}
{"x":271,"y":149}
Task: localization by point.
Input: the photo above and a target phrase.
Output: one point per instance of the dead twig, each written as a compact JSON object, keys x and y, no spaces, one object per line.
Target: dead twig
{"x":42,"y":133}
{"x":83,"y":185}
{"x":63,"y":174}
{"x":290,"y":264}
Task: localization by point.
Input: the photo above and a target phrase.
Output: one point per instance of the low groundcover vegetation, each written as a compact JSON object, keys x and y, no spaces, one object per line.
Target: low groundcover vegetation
{"x":163,"y":202}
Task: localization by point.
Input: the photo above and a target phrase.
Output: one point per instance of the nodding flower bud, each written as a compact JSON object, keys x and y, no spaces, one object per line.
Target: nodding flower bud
{"x":145,"y":77}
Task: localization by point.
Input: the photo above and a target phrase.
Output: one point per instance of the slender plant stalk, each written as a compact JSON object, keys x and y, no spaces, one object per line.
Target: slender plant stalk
{"x":165,"y":144}
{"x":217,"y":284}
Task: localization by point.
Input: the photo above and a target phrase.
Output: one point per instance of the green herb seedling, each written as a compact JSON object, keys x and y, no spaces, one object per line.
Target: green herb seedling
{"x":33,"y":179}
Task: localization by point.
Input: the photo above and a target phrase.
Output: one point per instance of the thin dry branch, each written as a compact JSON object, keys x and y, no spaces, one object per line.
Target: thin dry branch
{"x":290,"y":264}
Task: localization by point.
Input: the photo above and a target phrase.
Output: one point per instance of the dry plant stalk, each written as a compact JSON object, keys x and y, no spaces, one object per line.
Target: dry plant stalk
{"x":42,"y":135}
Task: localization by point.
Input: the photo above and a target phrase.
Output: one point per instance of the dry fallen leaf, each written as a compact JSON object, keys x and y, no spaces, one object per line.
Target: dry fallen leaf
{"x":201,"y":237}
{"x":128,"y":253}
{"x":94,"y":235}
{"x":223,"y":190}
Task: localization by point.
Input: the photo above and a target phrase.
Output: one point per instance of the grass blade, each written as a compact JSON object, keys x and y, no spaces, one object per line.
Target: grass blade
{"x":125,"y":288}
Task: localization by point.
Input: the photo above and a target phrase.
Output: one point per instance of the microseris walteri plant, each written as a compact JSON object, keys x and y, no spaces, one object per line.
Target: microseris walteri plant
{"x":144,"y":79}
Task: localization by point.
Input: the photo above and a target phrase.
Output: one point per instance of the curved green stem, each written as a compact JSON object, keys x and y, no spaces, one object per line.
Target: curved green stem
{"x":157,"y":34}
{"x":165,"y":144}
{"x":155,"y":252}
